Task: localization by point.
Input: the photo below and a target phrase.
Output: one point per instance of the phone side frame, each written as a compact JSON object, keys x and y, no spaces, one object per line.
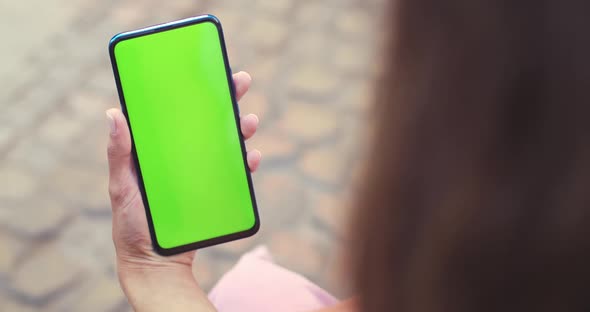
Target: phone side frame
{"x":164,"y":27}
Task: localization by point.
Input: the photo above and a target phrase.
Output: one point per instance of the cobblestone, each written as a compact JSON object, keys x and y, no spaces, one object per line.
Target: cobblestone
{"x":255,"y":102}
{"x":58,"y":272}
{"x":314,"y":15}
{"x":32,"y":155}
{"x":297,"y":253}
{"x":332,"y":212}
{"x":59,"y":129}
{"x":93,"y":236}
{"x":9,"y":304}
{"x":274,"y":146}
{"x":325,"y":164}
{"x":351,"y":59}
{"x":266,"y":34}
{"x":16,"y":184}
{"x":275,"y":6}
{"x":265,"y":71}
{"x":281,"y":199}
{"x":313,"y":45}
{"x":314,"y":80}
{"x":358,"y":97}
{"x":102,"y":292}
{"x":312,"y":64}
{"x":11,"y":249}
{"x":309,"y":122}
{"x":236,"y":248}
{"x":206,"y":274}
{"x":87,"y":105}
{"x":203,"y":272}
{"x":354,"y":23}
{"x":35,"y":217}
{"x":5,"y":135}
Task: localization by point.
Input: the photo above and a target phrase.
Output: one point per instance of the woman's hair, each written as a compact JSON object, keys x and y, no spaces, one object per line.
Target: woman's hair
{"x":477,"y":195}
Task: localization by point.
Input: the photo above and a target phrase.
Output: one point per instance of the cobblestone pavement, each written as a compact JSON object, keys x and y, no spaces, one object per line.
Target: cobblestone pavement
{"x":312,"y":63}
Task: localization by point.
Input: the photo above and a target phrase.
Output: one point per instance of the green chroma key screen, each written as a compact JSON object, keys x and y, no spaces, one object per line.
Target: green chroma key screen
{"x":175,"y":87}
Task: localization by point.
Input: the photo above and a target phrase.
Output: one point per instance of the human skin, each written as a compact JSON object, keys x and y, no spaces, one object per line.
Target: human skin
{"x":152,"y":282}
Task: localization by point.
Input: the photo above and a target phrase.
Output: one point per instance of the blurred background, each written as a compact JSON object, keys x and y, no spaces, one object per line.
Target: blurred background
{"x":313,"y":63}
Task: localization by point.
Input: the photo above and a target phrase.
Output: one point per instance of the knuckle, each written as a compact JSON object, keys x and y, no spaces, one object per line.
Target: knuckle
{"x":122,"y":193}
{"x":112,"y":150}
{"x":116,"y":193}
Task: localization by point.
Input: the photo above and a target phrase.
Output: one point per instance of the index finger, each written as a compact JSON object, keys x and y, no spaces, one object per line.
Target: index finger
{"x":242,"y":82}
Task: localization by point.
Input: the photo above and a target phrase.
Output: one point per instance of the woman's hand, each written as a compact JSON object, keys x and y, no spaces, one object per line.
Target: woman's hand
{"x":138,"y":266}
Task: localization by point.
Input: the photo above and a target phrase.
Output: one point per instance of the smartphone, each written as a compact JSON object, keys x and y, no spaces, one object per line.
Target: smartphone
{"x":176,"y":90}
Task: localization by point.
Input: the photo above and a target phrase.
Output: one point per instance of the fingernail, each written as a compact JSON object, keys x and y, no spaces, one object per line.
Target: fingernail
{"x":112,"y":124}
{"x":246,"y":75}
{"x":253,"y":117}
{"x":253,"y":154}
{"x":256,"y":118}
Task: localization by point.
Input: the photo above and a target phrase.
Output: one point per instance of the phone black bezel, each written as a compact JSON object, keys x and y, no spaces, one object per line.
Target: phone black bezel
{"x":165,"y":27}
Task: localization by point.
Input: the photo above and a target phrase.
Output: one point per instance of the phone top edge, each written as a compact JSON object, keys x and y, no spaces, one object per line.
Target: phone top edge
{"x":164,"y":26}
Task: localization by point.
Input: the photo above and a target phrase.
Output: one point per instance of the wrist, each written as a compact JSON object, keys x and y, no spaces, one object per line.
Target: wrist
{"x":130,"y":272}
{"x":160,"y":286}
{"x":134,"y":265}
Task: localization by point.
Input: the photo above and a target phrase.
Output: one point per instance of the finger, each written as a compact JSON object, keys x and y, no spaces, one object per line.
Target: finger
{"x":253,"y":157}
{"x":249,"y":124}
{"x":242,"y":82}
{"x":122,"y":184}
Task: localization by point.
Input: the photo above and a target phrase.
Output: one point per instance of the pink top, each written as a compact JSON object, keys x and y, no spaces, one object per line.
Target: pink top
{"x":256,"y":283}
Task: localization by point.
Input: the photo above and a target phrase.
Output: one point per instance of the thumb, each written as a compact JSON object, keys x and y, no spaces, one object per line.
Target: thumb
{"x":122,"y":181}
